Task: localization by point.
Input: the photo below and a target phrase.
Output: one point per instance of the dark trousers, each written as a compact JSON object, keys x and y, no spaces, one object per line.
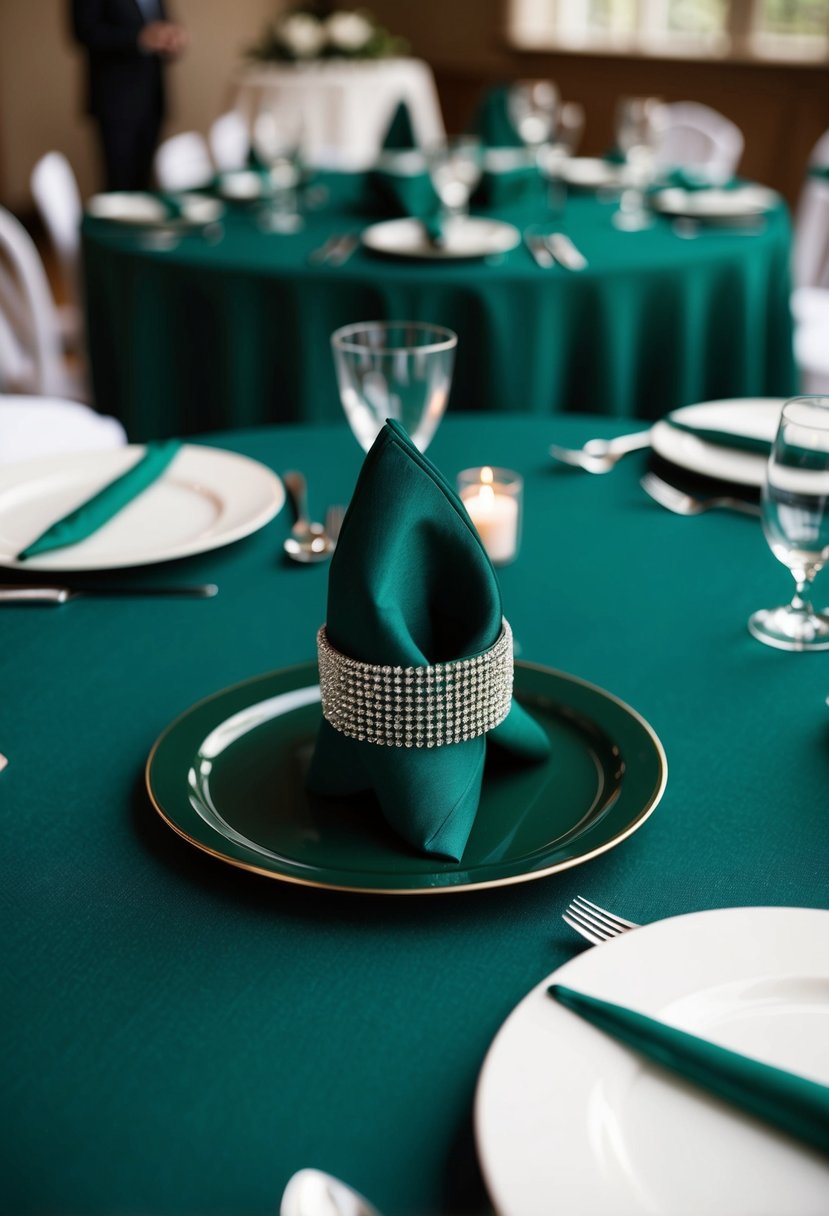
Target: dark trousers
{"x":128,"y":147}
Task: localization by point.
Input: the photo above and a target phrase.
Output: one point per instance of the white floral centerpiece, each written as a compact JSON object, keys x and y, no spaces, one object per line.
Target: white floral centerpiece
{"x":312,"y":32}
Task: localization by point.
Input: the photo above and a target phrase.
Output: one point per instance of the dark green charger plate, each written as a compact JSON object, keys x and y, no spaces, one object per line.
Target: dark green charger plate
{"x":228,"y":776}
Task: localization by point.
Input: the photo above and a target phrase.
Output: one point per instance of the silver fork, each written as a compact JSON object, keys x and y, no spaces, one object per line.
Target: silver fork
{"x":680,"y":503}
{"x":334,"y":517}
{"x":601,"y":455}
{"x":595,"y":923}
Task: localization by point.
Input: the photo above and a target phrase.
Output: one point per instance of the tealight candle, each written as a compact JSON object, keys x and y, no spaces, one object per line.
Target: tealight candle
{"x":493,"y":499}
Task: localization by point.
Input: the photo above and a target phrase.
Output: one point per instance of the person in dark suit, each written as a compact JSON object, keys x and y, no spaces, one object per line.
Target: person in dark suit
{"x":128,"y":43}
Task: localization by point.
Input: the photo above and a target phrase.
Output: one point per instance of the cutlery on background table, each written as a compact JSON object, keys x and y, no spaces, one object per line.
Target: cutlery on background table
{"x":601,"y":455}
{"x":314,"y":1193}
{"x":538,"y":250}
{"x":308,"y":542}
{"x":343,"y":249}
{"x":565,"y":252}
{"x":680,"y":503}
{"x":334,"y":517}
{"x":322,"y":252}
{"x":35,"y":593}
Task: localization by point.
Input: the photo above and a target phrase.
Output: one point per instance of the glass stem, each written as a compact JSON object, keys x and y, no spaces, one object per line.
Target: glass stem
{"x":801,"y":600}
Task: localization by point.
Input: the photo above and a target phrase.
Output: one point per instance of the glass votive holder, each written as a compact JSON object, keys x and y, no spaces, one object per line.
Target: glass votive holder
{"x":494,"y":498}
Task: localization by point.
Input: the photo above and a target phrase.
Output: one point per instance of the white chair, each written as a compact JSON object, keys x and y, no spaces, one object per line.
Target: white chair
{"x":183,"y":162}
{"x":44,"y":426}
{"x":32,"y":338}
{"x":55,"y":191}
{"x":229,"y":141}
{"x":697,"y":137}
{"x":810,"y":258}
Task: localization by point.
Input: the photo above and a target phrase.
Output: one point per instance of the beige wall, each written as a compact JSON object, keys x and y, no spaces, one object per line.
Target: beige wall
{"x":41,"y":82}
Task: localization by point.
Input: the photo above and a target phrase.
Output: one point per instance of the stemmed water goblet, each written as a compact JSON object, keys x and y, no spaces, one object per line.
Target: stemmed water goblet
{"x":795,"y":504}
{"x":276,"y":141}
{"x":552,"y":157}
{"x":455,"y":170}
{"x":394,"y":369}
{"x":639,"y":123}
{"x":533,"y":106}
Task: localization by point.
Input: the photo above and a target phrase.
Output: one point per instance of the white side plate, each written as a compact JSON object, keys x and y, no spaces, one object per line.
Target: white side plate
{"x":715,"y":203}
{"x":569,"y":1120}
{"x":206,"y":498}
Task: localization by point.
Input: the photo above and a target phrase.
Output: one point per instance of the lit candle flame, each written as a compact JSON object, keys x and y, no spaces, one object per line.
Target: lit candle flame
{"x":486,"y":475}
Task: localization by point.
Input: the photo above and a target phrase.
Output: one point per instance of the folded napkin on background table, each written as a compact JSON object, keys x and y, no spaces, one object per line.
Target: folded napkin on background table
{"x":400,"y":132}
{"x":405,"y":188}
{"x":411,"y":584}
{"x":492,"y":120}
{"x":91,"y":515}
{"x":790,"y":1102}
{"x":510,"y":176}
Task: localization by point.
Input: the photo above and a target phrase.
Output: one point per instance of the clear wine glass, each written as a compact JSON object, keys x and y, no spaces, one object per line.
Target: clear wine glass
{"x":276,"y":140}
{"x":552,"y":158}
{"x":639,"y":122}
{"x":394,"y":369}
{"x":532,"y":106}
{"x":455,"y":170}
{"x":796,"y":522}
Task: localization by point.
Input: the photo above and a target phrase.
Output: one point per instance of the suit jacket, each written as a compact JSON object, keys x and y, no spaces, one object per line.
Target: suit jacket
{"x":125,"y":84}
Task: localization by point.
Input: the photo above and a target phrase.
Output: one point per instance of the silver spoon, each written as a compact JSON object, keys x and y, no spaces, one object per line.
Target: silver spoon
{"x":314,"y":1193}
{"x":308,"y":542}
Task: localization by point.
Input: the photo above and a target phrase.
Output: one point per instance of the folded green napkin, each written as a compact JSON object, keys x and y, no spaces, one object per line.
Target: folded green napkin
{"x":492,"y":120}
{"x":400,"y":133}
{"x":411,"y":584}
{"x":792,"y":1103}
{"x":98,"y":510}
{"x":724,"y":439}
{"x":410,"y":193}
{"x":692,"y":180}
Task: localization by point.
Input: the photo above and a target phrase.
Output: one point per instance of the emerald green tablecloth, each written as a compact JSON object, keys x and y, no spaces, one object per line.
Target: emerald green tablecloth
{"x":236,"y":333}
{"x":178,"y":1036}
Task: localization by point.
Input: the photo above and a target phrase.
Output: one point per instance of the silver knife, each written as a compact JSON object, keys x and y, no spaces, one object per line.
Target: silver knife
{"x":565,"y":252}
{"x":11,"y":593}
{"x":343,"y":249}
{"x":323,"y":252}
{"x":539,"y":251}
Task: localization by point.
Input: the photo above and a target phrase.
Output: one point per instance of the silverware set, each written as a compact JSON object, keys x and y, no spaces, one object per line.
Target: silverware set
{"x":335,"y":251}
{"x":601,"y":455}
{"x":681,"y":503}
{"x":554,"y":248}
{"x":595,"y":924}
{"x":309,"y":542}
{"x":37,"y":593}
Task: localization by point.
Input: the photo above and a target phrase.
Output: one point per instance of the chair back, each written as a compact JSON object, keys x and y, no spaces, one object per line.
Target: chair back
{"x":697,"y":137}
{"x":28,"y":311}
{"x":810,"y":253}
{"x":55,"y":191}
{"x":183,"y":162}
{"x":229,"y":141}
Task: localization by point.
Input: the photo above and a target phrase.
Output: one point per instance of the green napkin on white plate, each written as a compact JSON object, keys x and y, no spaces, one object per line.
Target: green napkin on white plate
{"x":792,"y":1103}
{"x":91,"y":515}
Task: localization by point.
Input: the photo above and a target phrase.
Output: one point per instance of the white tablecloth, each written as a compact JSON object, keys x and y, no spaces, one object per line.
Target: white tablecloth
{"x":345,"y":107}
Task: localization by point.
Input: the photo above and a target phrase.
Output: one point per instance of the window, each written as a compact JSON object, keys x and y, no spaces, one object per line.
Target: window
{"x":773,"y":29}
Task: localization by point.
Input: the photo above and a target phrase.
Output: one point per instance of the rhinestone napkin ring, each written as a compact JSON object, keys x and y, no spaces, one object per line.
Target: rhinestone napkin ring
{"x":416,"y":706}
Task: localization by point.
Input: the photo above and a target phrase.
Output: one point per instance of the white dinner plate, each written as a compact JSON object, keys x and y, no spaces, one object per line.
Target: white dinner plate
{"x":133,"y":207}
{"x":205,"y":498}
{"x":750,"y":416}
{"x":569,"y":1120}
{"x":715,"y":204}
{"x":464,"y":238}
{"x":591,"y":172}
{"x":241,"y":185}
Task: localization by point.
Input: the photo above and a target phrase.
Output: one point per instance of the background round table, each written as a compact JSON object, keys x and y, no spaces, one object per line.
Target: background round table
{"x":236,"y":333}
{"x":179,"y":1036}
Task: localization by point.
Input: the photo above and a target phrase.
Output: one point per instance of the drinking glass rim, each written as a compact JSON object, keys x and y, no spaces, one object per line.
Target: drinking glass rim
{"x":807,"y":399}
{"x":340,"y":338}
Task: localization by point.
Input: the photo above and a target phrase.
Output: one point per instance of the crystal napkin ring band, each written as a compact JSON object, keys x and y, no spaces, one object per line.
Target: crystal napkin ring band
{"x":416,"y":706}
